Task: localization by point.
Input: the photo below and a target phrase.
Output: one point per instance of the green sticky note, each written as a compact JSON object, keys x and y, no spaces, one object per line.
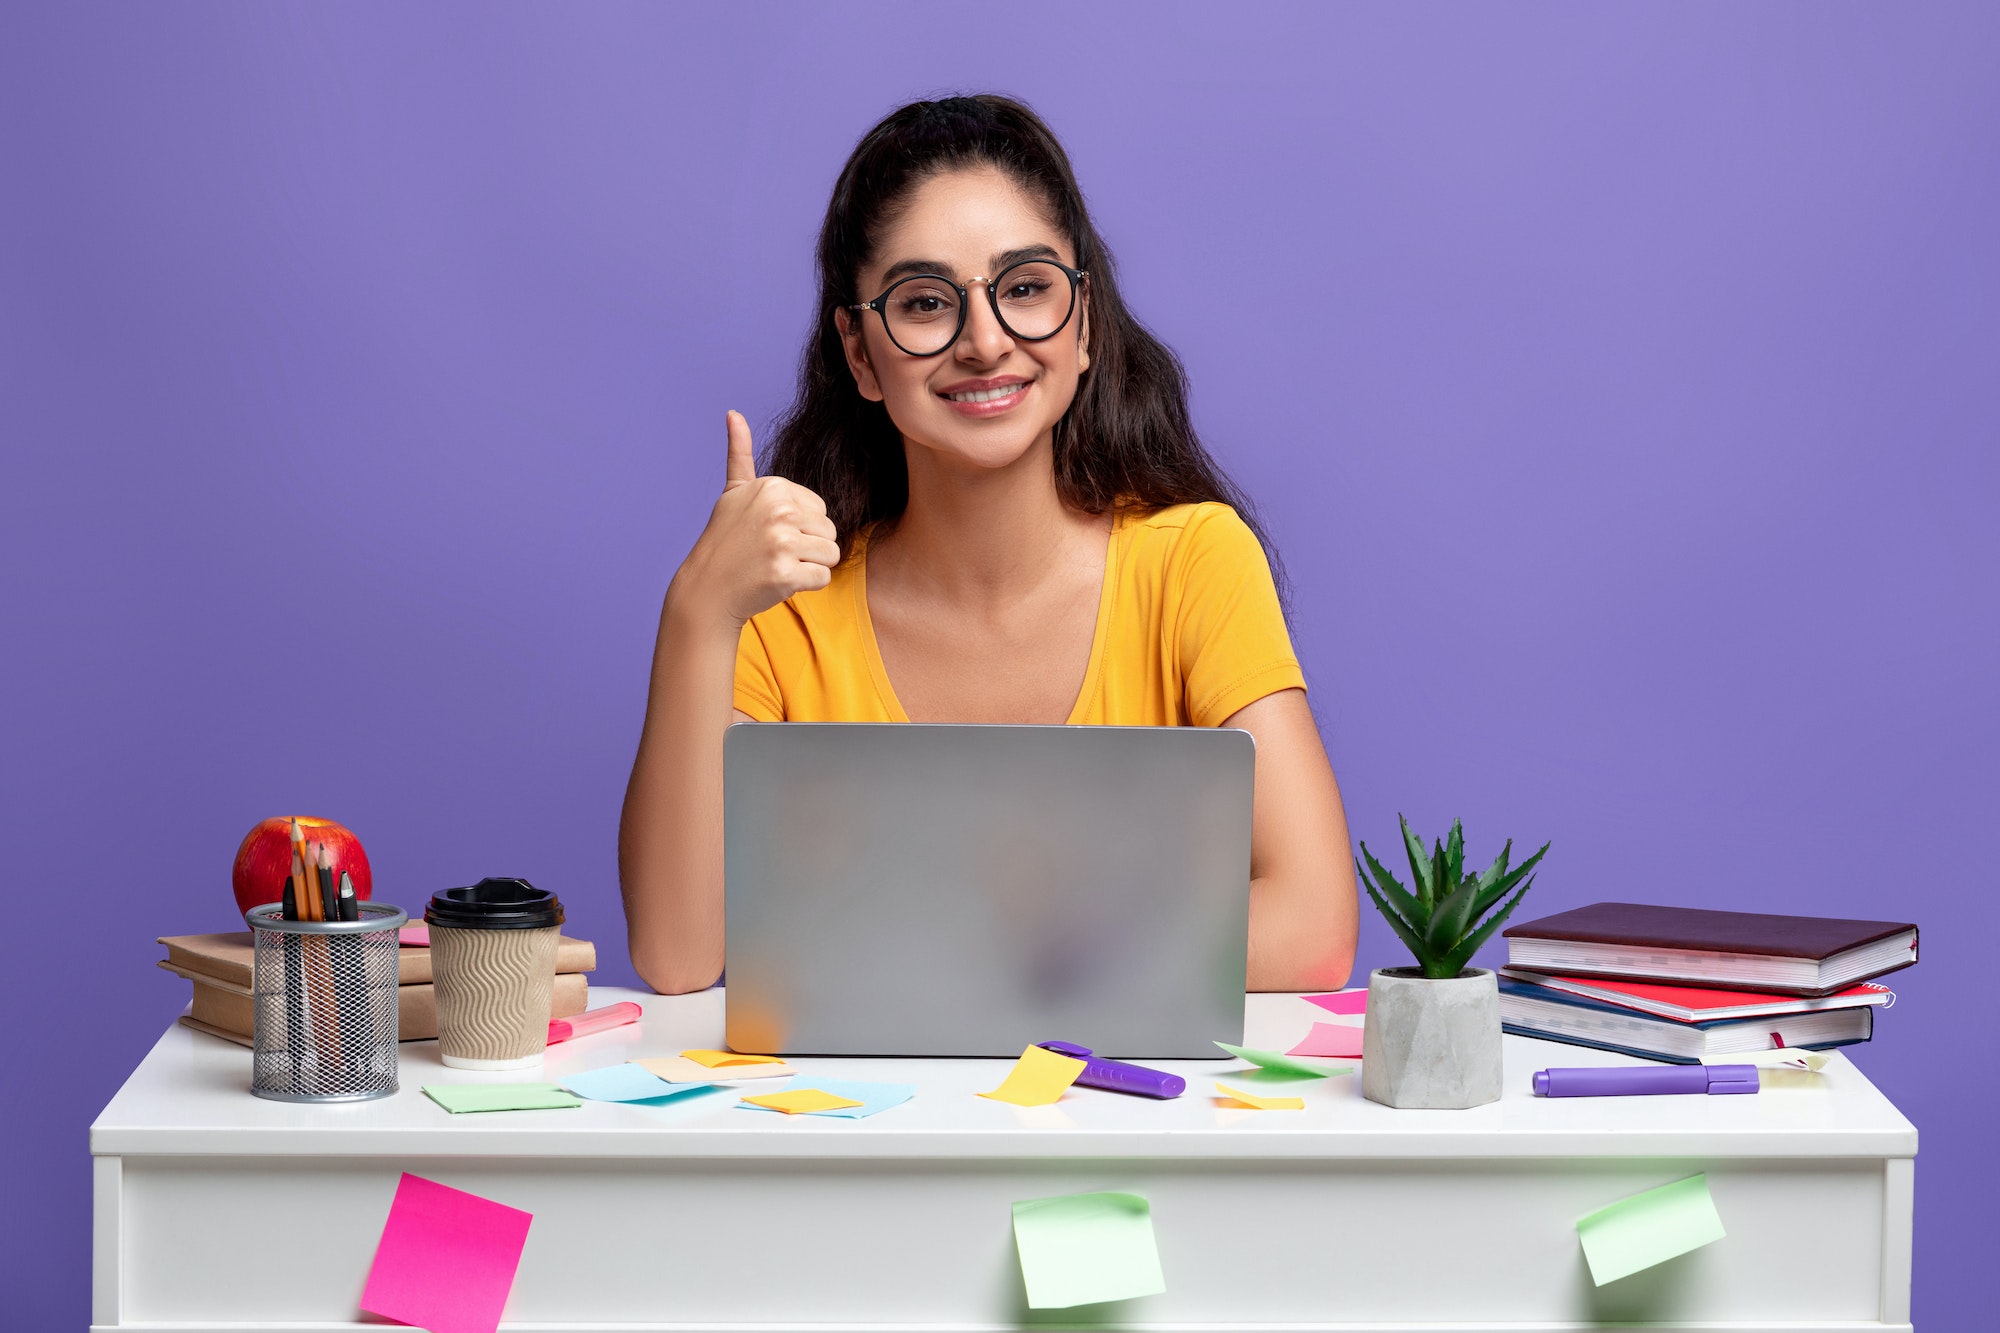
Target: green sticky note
{"x":1649,"y":1228}
{"x":1078,"y":1249}
{"x":1283,"y":1064}
{"x":461,"y":1097}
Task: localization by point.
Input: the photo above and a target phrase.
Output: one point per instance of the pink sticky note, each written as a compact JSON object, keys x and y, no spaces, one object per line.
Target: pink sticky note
{"x":446,"y":1259}
{"x":1330,"y":1039}
{"x":1342,"y":1001}
{"x":414,"y":936}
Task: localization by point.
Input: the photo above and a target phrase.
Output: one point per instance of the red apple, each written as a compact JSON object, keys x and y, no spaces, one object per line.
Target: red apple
{"x":265,"y":859}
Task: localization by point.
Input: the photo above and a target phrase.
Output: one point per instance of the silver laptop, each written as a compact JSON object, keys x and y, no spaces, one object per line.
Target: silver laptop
{"x":911,"y":889}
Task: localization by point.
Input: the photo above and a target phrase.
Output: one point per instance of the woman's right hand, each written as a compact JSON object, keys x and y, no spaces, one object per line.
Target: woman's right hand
{"x":766,"y":539}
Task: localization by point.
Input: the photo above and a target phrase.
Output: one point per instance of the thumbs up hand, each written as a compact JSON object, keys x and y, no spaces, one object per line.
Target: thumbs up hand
{"x":766,"y":539}
{"x":742,"y":466}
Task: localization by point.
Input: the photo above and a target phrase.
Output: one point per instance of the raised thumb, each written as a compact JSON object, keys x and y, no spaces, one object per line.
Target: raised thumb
{"x":742,"y":465}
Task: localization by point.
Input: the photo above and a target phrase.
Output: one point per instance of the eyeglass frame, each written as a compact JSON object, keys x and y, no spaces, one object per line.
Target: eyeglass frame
{"x":1076,"y":283}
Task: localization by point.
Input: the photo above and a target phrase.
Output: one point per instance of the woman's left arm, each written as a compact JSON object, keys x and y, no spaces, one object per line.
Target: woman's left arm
{"x":1302,"y":898}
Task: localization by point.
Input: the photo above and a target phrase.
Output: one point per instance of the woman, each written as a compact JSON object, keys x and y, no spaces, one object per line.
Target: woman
{"x":987,"y":504}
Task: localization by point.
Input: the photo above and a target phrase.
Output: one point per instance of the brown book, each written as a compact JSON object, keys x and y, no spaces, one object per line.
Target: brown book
{"x":224,"y":1009}
{"x":227,"y":957}
{"x":1755,"y":951}
{"x":227,"y":1008}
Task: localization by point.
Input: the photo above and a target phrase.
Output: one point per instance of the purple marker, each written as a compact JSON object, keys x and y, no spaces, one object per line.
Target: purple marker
{"x":1712,"y":1079}
{"x":1116,"y":1075}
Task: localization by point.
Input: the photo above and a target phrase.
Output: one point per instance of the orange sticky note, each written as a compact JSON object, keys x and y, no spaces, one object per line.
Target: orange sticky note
{"x":803,"y":1100}
{"x":1039,"y":1077}
{"x":1261,"y":1103}
{"x":717,"y":1059}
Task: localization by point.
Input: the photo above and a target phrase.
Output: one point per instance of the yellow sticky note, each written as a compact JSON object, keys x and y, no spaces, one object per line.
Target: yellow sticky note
{"x":1785,"y":1057}
{"x":803,"y":1100}
{"x":1037,"y":1078}
{"x":717,"y":1059}
{"x":677,"y":1069}
{"x":1262,"y":1103}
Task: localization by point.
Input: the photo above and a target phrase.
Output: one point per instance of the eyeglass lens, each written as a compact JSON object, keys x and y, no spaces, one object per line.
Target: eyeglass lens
{"x":923,"y":315}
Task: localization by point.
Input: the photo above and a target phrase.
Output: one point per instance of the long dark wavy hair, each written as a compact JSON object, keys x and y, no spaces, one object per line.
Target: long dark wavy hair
{"x":1127,"y":435}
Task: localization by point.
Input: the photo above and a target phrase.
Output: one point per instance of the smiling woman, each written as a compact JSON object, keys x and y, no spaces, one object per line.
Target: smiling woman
{"x":989,"y":492}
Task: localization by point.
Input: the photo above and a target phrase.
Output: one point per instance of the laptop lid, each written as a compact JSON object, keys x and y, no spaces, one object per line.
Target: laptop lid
{"x":917,"y":889}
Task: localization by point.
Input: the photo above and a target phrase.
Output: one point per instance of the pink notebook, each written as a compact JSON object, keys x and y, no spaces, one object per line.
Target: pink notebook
{"x":1690,"y":1004}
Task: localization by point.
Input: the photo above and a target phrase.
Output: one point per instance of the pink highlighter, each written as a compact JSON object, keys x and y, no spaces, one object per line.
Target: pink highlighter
{"x":595,"y":1020}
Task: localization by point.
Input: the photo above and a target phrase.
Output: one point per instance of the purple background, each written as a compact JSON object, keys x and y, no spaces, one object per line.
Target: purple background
{"x":1618,"y":383}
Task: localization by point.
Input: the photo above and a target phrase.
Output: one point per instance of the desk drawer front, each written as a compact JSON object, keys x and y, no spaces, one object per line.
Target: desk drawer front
{"x":669,"y":1244}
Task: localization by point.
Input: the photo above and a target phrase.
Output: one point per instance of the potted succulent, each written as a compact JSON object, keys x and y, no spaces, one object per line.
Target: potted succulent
{"x":1432,"y":1035}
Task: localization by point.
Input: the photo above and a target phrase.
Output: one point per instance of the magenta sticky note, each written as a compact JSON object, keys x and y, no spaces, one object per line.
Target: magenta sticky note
{"x":446,"y":1259}
{"x":1330,"y":1039}
{"x":1342,"y":1001}
{"x":418,"y":937}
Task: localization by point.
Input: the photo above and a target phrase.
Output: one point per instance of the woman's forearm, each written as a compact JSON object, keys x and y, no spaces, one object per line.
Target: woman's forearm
{"x":766,"y":539}
{"x":1301,"y":935}
{"x":670,"y":832}
{"x":1302,"y":907}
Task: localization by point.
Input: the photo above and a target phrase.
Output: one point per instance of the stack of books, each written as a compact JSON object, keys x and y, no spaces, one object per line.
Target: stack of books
{"x":1688,"y":985}
{"x":221,"y":966}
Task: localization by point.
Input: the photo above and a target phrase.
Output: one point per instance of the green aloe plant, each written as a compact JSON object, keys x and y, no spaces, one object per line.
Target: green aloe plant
{"x":1440,"y":919}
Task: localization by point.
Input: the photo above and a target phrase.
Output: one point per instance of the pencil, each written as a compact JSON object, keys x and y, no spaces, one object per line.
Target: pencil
{"x":295,"y":994}
{"x":323,"y":988}
{"x":308,"y":896}
{"x":313,"y":878}
{"x":324,"y":878}
{"x":322,"y":999}
{"x":316,"y":967}
{"x":308,"y":900}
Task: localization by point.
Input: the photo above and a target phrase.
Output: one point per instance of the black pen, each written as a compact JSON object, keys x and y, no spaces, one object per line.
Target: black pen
{"x":295,"y":1003}
{"x":324,"y":872}
{"x":350,"y":1010}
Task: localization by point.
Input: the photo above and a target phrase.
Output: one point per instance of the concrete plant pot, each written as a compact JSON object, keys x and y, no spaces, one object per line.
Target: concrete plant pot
{"x":1431,"y":1045}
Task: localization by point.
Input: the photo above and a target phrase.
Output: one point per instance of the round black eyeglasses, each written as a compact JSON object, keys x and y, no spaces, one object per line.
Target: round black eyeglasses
{"x":924,"y":314}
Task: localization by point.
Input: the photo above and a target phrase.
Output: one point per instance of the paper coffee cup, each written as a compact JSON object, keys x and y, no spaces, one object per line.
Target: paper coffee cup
{"x":493,"y":963}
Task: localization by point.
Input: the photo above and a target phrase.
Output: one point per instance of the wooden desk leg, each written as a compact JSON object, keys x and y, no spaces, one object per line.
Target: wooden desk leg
{"x":107,"y":1277}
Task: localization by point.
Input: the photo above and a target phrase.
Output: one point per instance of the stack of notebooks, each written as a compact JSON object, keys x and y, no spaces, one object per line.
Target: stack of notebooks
{"x":220,"y":967}
{"x":1688,"y":985}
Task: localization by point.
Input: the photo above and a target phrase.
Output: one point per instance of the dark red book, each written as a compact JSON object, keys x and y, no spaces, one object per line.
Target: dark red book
{"x":1756,"y":951}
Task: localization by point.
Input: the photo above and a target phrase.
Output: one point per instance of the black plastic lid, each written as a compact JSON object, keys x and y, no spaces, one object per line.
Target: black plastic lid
{"x":495,"y":904}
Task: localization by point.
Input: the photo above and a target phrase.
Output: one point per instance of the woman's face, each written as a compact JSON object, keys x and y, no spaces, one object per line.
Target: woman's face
{"x":966,"y":224}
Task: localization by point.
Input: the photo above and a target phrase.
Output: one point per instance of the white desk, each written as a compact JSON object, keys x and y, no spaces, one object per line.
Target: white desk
{"x":1347,"y":1215}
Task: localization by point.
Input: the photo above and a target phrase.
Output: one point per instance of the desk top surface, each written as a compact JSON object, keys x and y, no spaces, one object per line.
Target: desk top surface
{"x":190,"y":1096}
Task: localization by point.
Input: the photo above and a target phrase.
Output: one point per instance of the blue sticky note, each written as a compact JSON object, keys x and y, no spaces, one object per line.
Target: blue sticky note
{"x":873,"y":1097}
{"x":679,"y":1096}
{"x":625,"y":1083}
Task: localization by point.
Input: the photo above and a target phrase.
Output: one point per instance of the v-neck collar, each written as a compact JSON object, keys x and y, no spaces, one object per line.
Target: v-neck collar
{"x":1092,"y":671}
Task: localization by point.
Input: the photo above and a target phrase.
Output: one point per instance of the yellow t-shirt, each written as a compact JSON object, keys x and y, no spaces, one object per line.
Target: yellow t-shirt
{"x":1188,"y":631}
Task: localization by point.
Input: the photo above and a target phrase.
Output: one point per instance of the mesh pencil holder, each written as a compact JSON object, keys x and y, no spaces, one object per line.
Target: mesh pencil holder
{"x":325,"y":1005}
